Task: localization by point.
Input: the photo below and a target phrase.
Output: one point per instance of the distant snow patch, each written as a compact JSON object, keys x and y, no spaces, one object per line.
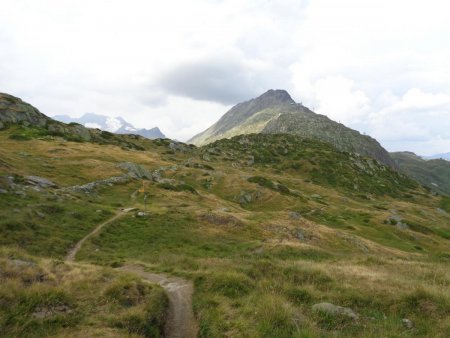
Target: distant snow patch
{"x":113,"y":124}
{"x":92,"y":125}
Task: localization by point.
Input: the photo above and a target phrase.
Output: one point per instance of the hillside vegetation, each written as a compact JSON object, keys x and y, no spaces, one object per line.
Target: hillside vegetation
{"x":266,"y":226}
{"x":434,"y":174}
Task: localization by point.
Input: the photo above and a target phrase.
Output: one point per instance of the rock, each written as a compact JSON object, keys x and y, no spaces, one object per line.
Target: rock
{"x":40,"y":181}
{"x":135,"y":170}
{"x":1,"y":125}
{"x":299,"y":234}
{"x":39,"y":214}
{"x":46,"y":312}
{"x":333,"y":310}
{"x":21,"y":263}
{"x":3,"y":191}
{"x":141,"y":214}
{"x":407,"y":323}
{"x":294,"y":215}
{"x":89,"y":187}
{"x":245,"y":198}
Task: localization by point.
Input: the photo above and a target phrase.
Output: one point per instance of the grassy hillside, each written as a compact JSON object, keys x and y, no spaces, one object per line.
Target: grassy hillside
{"x":265,"y":226}
{"x":434,"y":174}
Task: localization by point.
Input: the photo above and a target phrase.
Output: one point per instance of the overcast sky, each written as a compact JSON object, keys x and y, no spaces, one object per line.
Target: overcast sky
{"x":379,"y":66}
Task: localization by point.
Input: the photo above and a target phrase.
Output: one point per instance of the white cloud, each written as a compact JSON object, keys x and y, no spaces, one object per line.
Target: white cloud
{"x":416,"y":120}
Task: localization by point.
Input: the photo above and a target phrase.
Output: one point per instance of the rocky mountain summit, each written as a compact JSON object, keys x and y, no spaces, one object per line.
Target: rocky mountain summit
{"x":116,"y":125}
{"x":276,"y":112}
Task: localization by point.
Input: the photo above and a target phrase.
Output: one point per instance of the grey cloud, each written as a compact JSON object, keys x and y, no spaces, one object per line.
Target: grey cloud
{"x":216,"y":79}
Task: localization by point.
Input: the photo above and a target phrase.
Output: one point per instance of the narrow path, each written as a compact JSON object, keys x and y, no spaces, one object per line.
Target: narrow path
{"x":72,"y":253}
{"x":181,"y":322}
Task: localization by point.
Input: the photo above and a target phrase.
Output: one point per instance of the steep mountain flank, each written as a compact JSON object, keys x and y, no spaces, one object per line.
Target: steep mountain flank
{"x":275,"y":112}
{"x":434,"y":174}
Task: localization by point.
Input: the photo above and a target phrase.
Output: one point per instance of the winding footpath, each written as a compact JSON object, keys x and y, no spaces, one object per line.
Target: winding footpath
{"x":180,"y":322}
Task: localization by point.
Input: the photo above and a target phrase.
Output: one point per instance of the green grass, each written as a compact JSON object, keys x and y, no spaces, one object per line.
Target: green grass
{"x":47,"y":225}
{"x":445,"y":203}
{"x":254,"y":275}
{"x":51,"y":298}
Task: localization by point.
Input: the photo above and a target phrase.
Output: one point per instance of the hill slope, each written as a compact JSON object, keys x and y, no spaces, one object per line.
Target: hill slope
{"x":434,"y":174}
{"x":275,"y":112}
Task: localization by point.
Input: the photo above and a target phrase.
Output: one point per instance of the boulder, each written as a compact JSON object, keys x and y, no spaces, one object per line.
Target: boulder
{"x":40,"y":181}
{"x":135,"y":170}
{"x":333,"y":310}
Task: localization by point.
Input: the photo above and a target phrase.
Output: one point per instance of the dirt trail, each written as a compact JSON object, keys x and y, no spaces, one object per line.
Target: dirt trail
{"x":72,"y":253}
{"x":181,"y":322}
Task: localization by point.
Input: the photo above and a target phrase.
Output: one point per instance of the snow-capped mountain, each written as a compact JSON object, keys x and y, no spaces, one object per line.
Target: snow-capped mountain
{"x":115,"y":125}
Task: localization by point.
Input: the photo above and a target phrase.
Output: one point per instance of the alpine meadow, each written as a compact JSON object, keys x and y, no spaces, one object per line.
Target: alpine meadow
{"x":152,"y":184}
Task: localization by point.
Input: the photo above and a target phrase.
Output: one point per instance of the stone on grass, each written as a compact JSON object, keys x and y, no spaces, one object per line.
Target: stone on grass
{"x":333,"y":310}
{"x":407,"y":323}
{"x":40,"y":181}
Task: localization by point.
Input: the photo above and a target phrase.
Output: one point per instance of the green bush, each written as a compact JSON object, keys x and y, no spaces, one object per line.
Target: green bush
{"x":179,"y":187}
{"x":19,"y":137}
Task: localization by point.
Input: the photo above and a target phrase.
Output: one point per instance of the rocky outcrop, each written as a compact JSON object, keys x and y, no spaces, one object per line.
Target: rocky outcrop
{"x":15,"y":111}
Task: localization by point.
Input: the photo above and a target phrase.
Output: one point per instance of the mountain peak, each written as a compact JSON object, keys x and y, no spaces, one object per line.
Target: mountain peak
{"x":275,"y":97}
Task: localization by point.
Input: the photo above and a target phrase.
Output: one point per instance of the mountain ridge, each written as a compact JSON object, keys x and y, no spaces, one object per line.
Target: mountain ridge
{"x":276,"y":112}
{"x":432,"y":173}
{"x":117,"y":125}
